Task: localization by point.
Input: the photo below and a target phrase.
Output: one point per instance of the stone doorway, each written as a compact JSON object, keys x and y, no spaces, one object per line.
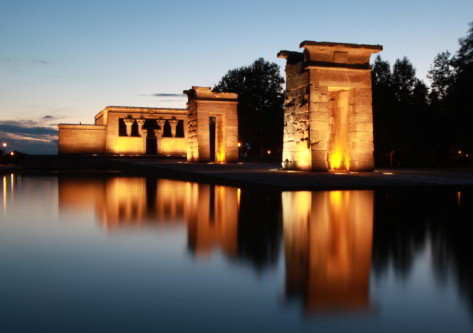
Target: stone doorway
{"x":151,"y":141}
{"x":212,"y":138}
{"x":338,"y":155}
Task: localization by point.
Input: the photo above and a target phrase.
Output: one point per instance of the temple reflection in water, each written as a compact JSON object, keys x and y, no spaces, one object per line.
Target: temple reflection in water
{"x":327,"y":246}
{"x":327,"y":235}
{"x":210,"y":212}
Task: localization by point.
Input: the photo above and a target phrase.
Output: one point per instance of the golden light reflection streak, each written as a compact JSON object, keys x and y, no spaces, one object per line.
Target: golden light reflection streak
{"x":5,"y":193}
{"x":12,"y":189}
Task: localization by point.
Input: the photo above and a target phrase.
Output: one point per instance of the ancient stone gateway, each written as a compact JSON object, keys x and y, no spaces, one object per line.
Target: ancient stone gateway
{"x":328,"y":121}
{"x":212,"y":126}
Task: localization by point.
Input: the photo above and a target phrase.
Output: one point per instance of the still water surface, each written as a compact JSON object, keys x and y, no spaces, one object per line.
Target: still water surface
{"x":140,"y":254}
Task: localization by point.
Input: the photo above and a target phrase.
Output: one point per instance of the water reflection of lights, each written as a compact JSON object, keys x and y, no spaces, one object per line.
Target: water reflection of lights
{"x":5,"y":194}
{"x":327,"y":235}
{"x":210,"y":212}
{"x":327,"y":241}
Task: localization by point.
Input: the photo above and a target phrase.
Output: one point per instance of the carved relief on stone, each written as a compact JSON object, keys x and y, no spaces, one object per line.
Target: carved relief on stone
{"x":140,"y":122}
{"x":159,"y":132}
{"x":173,"y":123}
{"x":128,"y":123}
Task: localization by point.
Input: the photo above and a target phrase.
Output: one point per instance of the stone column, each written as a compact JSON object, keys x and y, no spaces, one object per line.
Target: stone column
{"x":185,"y":127}
{"x":128,"y":123}
{"x":173,"y":123}
{"x":159,"y":132}
{"x":140,"y":122}
{"x":144,"y":136}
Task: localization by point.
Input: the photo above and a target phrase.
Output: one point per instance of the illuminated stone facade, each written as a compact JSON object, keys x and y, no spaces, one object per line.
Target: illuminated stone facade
{"x":204,"y":108}
{"x":328,"y":121}
{"x":206,"y":131}
{"x":129,"y":131}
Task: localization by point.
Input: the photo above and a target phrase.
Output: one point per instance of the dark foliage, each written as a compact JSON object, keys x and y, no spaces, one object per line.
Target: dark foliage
{"x":418,"y":126}
{"x":260,"y":109}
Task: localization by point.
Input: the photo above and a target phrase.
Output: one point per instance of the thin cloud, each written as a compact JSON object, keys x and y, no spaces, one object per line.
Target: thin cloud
{"x":13,"y":136}
{"x":29,"y":136}
{"x":47,"y":117}
{"x":40,"y":61}
{"x":169,"y":100}
{"x":165,"y":95}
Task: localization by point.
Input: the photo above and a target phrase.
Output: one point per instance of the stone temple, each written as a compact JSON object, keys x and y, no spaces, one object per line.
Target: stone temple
{"x":206,"y":131}
{"x":328,"y":120}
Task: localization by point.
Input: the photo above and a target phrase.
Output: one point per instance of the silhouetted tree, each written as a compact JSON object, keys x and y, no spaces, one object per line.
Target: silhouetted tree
{"x":383,"y":111}
{"x":461,"y":96}
{"x":403,"y":80}
{"x":260,"y":109}
{"x":441,"y":74}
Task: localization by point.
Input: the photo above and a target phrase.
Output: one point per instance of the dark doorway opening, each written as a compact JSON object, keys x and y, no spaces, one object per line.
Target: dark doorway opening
{"x":212,"y":136}
{"x":151,"y":144}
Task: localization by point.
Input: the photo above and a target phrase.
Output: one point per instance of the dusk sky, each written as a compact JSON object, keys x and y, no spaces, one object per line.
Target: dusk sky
{"x":64,"y":61}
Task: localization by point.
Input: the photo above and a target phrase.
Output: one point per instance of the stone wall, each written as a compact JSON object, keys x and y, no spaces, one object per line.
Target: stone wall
{"x":81,"y":139}
{"x":172,"y":146}
{"x":137,"y":145}
{"x":296,"y":149}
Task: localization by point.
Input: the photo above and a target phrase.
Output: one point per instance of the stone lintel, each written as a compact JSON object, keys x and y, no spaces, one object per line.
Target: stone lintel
{"x":206,"y":94}
{"x":292,"y":57}
{"x":376,"y":48}
{"x":134,"y":109}
{"x":82,"y":126}
{"x":338,"y":54}
{"x":335,"y":66}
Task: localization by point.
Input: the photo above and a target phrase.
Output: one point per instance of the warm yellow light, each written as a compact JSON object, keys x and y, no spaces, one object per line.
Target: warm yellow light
{"x":459,"y":152}
{"x":239,"y":144}
{"x":388,"y":173}
{"x":4,"y":145}
{"x":221,"y":156}
{"x":336,"y":160}
{"x":303,"y":159}
{"x":12,"y":153}
{"x":269,"y":152}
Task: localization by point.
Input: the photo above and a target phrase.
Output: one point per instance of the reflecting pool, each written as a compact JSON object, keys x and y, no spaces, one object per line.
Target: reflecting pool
{"x":82,"y":254}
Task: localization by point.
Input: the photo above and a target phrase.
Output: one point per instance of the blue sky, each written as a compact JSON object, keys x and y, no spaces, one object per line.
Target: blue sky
{"x":63,"y":61}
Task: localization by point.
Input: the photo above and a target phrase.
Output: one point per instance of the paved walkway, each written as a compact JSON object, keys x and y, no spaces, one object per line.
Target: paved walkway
{"x":266,"y":175}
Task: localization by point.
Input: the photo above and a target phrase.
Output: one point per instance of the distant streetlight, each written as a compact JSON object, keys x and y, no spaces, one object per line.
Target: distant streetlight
{"x":269,"y":152}
{"x":4,"y":145}
{"x":459,"y":152}
{"x":12,"y":153}
{"x":239,"y":144}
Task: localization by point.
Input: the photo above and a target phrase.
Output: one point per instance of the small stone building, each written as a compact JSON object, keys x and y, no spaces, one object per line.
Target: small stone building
{"x":328,"y":121}
{"x":128,"y":131}
{"x":206,"y":131}
{"x":213,"y":126}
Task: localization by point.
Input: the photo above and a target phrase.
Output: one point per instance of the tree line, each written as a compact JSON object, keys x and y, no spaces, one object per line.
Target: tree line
{"x":415,"y":125}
